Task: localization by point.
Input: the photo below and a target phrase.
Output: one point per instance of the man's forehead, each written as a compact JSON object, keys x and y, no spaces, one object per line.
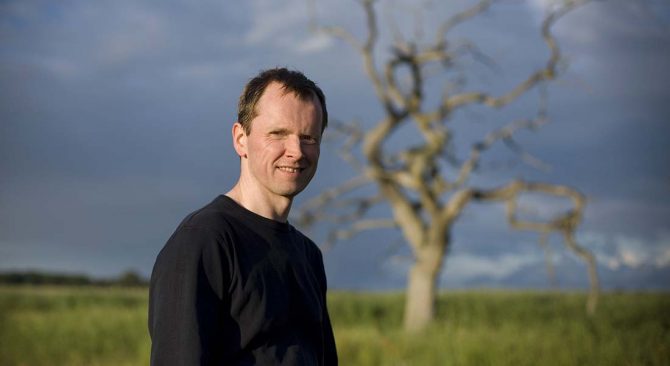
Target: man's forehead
{"x":282,"y":90}
{"x":276,"y":92}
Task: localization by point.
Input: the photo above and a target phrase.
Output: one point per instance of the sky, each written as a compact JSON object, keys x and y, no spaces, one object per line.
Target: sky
{"x":115,"y":122}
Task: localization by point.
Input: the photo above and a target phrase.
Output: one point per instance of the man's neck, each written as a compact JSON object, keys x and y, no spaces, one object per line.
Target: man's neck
{"x":274,"y":209}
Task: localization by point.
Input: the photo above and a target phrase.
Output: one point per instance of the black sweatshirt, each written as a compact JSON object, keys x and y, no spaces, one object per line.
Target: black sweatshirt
{"x":231,"y":287}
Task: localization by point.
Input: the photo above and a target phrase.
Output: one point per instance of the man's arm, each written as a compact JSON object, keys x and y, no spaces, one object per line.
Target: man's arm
{"x":330,"y":351}
{"x":186,"y":296}
{"x":329,"y":348}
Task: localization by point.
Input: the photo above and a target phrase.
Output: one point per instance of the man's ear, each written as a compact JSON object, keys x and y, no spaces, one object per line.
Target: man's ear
{"x":239,"y":140}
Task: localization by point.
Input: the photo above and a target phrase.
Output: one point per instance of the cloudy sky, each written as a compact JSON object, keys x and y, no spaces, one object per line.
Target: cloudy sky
{"x":115,"y":121}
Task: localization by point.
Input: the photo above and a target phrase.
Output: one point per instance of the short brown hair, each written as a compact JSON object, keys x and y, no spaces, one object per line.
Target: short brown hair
{"x":292,"y":81}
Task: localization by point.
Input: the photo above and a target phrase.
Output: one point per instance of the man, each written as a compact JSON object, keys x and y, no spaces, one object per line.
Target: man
{"x":236,"y":284}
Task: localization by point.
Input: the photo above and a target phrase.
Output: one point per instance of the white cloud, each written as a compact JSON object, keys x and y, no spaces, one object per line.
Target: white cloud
{"x":463,"y":267}
{"x":577,"y":26}
{"x":272,"y":19}
{"x":539,"y":7}
{"x":663,"y":257}
{"x":139,"y":31}
{"x":619,"y":250}
{"x":632,"y":258}
{"x":615,"y":252}
{"x":596,"y":22}
{"x":286,"y":24}
{"x":315,"y":43}
{"x":75,"y":40}
{"x":467,"y":266}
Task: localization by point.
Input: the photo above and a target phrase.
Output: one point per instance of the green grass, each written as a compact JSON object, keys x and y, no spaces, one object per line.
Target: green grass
{"x":73,"y":326}
{"x":507,"y":328}
{"x":107,"y":326}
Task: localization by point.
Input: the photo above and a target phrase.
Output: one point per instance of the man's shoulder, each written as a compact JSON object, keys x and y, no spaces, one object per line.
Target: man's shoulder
{"x":309,"y":245}
{"x":214,"y":216}
{"x":203,"y":230}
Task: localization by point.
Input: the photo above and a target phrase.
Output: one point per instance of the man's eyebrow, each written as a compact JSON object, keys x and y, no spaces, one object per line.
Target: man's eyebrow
{"x":280,"y":131}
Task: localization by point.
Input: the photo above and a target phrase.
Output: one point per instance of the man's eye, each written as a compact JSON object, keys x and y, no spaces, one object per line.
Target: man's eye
{"x":310,"y":140}
{"x":277,"y":134}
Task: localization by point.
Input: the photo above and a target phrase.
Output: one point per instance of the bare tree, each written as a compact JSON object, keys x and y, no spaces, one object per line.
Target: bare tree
{"x":425,"y":199}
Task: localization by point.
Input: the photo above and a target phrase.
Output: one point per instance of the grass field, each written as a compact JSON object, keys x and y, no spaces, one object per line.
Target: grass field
{"x":107,"y":326}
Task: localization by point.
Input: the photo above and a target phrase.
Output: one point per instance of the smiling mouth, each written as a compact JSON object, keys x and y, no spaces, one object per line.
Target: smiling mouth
{"x":288,"y":169}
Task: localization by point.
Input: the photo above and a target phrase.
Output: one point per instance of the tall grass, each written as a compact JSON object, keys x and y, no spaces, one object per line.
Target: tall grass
{"x":507,"y":328}
{"x":94,"y":326}
{"x":73,"y":326}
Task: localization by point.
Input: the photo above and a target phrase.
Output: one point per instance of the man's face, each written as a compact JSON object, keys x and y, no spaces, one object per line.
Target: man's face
{"x":282,"y":148}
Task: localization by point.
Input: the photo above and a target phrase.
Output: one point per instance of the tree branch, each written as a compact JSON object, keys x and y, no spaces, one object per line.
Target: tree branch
{"x":353,"y":135}
{"x":506,"y":135}
{"x":310,"y":212}
{"x":546,"y":73}
{"x":356,"y":228}
{"x":459,"y":18}
{"x":411,"y":180}
{"x":564,"y":224}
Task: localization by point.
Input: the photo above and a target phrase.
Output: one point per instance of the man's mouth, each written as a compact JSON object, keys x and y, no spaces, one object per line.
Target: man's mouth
{"x":289,"y":169}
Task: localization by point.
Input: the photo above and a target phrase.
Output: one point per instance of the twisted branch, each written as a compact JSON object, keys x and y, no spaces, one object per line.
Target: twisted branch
{"x":547,"y":73}
{"x":411,"y":181}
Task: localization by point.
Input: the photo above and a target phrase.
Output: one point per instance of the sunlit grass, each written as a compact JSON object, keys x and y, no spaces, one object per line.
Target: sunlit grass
{"x":73,"y":326}
{"x":507,"y":328}
{"x":107,"y":326}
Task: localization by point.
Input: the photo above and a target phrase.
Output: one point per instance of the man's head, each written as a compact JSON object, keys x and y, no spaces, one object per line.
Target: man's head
{"x":292,"y":82}
{"x":278,"y":135}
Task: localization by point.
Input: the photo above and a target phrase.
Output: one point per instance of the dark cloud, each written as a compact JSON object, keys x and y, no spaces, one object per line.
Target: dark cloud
{"x":115,"y":117}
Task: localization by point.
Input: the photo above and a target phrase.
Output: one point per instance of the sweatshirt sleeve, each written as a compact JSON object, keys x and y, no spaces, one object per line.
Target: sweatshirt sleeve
{"x":330,"y":351}
{"x":329,"y":348}
{"x":187,"y":295}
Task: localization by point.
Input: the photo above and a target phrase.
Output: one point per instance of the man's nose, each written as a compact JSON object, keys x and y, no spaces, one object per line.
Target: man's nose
{"x":293,"y":147}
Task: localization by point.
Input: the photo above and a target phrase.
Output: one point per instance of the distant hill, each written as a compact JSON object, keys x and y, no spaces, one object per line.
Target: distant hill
{"x":127,"y":278}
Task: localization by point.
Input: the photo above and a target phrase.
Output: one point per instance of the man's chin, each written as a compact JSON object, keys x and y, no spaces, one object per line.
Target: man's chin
{"x":292,"y":187}
{"x":292,"y":191}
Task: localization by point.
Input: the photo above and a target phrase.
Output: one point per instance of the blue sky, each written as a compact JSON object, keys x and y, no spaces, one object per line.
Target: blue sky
{"x":115,"y":121}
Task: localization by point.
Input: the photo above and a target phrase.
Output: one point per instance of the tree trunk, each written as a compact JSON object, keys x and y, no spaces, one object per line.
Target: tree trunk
{"x":422,"y":288}
{"x":594,"y":292}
